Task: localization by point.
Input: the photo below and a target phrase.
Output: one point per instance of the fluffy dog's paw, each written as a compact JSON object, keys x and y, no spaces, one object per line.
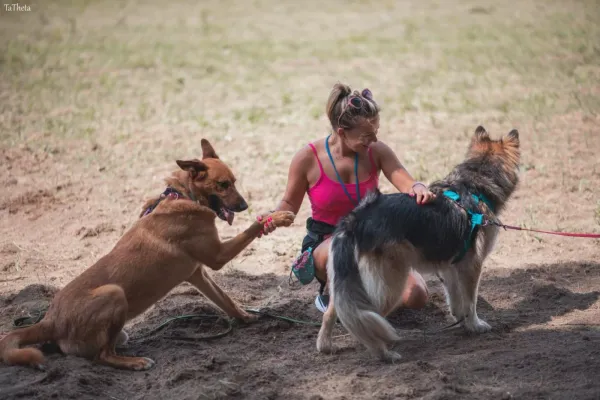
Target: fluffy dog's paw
{"x":325,"y":345}
{"x":282,"y":218}
{"x":477,"y":326}
{"x":390,"y":356}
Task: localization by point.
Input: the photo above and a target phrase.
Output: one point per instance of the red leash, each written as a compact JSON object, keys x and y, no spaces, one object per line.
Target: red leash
{"x":518,"y":228}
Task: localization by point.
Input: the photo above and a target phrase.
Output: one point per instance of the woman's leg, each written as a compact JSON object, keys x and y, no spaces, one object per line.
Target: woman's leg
{"x":320,"y":255}
{"x":415,"y":292}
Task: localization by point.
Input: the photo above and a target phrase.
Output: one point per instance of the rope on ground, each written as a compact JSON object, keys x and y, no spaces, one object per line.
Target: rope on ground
{"x":188,"y":317}
{"x":24,"y":322}
{"x":282,"y":317}
{"x":36,"y":316}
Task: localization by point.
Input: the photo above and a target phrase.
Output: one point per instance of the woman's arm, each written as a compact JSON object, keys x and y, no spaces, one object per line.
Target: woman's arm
{"x":398,"y":176}
{"x":297,"y":185}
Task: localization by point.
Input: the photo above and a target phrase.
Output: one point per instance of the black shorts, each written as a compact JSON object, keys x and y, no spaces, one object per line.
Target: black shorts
{"x":316,"y":233}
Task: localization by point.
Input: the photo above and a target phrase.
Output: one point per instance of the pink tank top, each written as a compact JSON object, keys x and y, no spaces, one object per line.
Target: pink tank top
{"x":328,"y":200}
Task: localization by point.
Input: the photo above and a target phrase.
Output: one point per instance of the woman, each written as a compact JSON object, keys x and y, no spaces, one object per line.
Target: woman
{"x":336,"y":172}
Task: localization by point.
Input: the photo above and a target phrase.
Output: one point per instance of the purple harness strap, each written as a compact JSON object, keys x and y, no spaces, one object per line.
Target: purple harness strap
{"x":169,"y":192}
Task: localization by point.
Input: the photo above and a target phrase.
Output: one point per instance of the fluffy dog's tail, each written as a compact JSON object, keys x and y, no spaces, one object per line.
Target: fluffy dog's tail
{"x":10,"y":352}
{"x":352,"y":303}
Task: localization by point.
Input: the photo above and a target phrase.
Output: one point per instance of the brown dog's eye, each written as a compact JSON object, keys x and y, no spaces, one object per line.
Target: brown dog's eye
{"x":223,"y":185}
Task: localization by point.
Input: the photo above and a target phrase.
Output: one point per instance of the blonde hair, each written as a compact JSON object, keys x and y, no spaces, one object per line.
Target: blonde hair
{"x":341,"y":115}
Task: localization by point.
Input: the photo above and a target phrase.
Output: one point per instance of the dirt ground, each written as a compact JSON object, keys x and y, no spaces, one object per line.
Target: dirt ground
{"x":97,"y":100}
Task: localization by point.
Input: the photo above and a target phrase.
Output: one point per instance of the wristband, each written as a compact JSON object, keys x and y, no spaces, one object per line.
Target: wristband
{"x":418,"y":183}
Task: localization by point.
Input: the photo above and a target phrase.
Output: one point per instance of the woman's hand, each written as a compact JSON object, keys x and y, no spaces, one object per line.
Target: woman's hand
{"x":423,"y":194}
{"x":269,"y":226}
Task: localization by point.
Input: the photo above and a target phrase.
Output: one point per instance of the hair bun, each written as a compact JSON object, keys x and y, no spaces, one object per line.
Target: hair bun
{"x":343,"y":89}
{"x":335,"y":107}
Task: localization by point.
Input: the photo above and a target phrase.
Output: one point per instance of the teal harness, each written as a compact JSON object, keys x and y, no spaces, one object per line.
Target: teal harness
{"x":477,"y":219}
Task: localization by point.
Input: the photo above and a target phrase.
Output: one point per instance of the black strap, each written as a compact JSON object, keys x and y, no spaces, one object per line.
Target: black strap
{"x":318,"y":227}
{"x":322,"y":287}
{"x":317,"y":230}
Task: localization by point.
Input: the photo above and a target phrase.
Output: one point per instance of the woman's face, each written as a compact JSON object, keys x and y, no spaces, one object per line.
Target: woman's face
{"x":360,"y":137}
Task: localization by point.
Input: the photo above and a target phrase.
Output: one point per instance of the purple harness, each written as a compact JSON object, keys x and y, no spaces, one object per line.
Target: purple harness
{"x":169,"y":192}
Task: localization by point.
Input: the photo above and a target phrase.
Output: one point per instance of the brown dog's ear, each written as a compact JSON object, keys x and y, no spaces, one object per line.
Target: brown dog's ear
{"x":207,"y":150}
{"x":481,"y":133}
{"x":194,"y":167}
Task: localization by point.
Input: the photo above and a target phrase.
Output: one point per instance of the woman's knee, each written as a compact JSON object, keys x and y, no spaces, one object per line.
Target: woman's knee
{"x":320,"y":255}
{"x":416,"y":294}
{"x":419,"y":297}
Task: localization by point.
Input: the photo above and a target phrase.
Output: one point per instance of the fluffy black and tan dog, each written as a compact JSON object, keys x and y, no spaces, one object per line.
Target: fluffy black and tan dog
{"x":374,"y":247}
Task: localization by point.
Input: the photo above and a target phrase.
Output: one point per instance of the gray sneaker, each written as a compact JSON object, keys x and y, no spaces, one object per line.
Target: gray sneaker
{"x":321,"y":302}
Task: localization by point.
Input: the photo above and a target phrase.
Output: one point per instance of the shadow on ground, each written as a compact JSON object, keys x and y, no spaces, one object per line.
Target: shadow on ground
{"x":525,"y":356}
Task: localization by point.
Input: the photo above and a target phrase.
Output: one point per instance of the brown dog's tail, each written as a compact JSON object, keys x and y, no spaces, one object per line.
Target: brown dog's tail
{"x":10,"y":352}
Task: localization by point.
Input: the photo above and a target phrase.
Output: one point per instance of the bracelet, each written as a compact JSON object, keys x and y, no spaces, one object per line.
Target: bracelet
{"x":418,"y":183}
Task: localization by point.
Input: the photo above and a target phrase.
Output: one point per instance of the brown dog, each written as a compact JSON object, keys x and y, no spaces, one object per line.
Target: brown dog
{"x":173,"y":240}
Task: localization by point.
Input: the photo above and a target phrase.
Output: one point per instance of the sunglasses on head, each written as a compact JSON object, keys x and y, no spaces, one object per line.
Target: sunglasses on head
{"x":356,"y":102}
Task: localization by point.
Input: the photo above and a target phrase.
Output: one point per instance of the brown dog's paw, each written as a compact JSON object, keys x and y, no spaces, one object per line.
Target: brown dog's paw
{"x":143,"y":364}
{"x":282,"y":218}
{"x":248,"y":318}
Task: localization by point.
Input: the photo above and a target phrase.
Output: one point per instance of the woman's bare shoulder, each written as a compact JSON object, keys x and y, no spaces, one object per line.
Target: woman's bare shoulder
{"x":382,"y":151}
{"x":304,"y":159}
{"x":380,"y":147}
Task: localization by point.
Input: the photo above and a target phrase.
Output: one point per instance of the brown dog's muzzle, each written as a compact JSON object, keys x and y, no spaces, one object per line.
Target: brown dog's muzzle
{"x":227,"y":207}
{"x":241,"y":206}
{"x":234,"y":201}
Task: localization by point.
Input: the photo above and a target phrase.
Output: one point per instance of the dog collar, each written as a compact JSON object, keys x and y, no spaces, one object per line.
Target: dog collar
{"x":169,"y":192}
{"x":476,"y":219}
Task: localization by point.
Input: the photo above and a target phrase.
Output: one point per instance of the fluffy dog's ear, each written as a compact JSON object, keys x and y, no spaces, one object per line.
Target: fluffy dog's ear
{"x":511,"y":139}
{"x":513,"y":135}
{"x":481,"y":133}
{"x":194,"y":167}
{"x":207,"y":150}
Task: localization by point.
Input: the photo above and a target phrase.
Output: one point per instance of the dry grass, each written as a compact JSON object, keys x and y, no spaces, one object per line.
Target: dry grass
{"x":109,"y":93}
